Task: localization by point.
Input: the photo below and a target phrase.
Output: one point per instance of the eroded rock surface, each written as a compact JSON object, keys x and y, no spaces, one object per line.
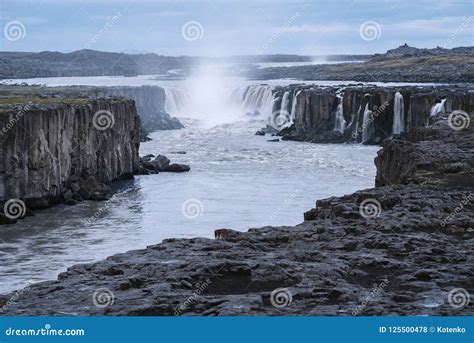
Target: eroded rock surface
{"x":367,"y":112}
{"x":56,"y":149}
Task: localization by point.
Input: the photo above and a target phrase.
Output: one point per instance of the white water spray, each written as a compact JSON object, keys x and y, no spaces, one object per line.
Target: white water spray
{"x":438,"y":108}
{"x":214,"y":98}
{"x":398,"y":114}
{"x":340,"y":122}
{"x":285,"y":101}
{"x":293,"y":106}
{"x":367,"y":124}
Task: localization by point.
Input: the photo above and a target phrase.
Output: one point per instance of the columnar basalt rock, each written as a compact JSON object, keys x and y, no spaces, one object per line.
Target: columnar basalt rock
{"x":368,"y":111}
{"x":149,"y":100}
{"x":56,"y":145}
{"x":437,"y":155}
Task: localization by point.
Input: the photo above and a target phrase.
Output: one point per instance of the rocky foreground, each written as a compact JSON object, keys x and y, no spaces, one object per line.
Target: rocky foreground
{"x":402,"y":248}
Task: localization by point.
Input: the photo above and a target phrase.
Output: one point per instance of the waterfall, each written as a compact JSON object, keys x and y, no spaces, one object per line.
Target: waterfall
{"x":354,"y":123}
{"x":398,"y":114}
{"x":252,"y":100}
{"x":438,"y":108}
{"x":367,"y":124}
{"x":293,"y":106}
{"x":340,"y":122}
{"x":285,"y":101}
{"x":175,"y":100}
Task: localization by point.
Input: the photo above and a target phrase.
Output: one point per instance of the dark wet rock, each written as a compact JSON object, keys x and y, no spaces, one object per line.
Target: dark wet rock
{"x":6,"y":220}
{"x":160,"y":163}
{"x":77,"y":197}
{"x":37,"y":203}
{"x":273,"y":140}
{"x":91,"y":189}
{"x":178,"y":168}
{"x":75,"y":187}
{"x":70,"y":202}
{"x":268,"y":129}
{"x":153,"y":165}
{"x":67,"y":195}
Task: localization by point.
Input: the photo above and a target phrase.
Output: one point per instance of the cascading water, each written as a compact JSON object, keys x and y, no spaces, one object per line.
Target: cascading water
{"x":220,"y":103}
{"x":367,"y":124}
{"x":254,"y":99}
{"x":285,"y":101}
{"x":293,"y":107}
{"x":175,"y":100}
{"x":340,"y":122}
{"x":438,"y":108}
{"x":398,"y":114}
{"x":354,"y":123}
{"x":282,"y":118}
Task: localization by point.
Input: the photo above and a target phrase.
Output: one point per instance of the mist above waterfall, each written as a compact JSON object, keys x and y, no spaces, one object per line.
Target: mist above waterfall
{"x":208,"y":97}
{"x":214,"y":97}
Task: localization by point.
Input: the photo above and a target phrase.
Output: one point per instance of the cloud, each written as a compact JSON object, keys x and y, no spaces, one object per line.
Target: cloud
{"x":319,"y":28}
{"x":26,"y":20}
{"x":435,"y":25}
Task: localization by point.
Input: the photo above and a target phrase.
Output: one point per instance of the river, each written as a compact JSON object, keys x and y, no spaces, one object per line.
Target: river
{"x":237,"y":180}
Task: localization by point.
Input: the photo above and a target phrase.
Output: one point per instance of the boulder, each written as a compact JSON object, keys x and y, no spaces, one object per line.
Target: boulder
{"x":67,"y":195}
{"x":178,"y":168}
{"x":160,"y":163}
{"x":91,"y":189}
{"x":37,"y":203}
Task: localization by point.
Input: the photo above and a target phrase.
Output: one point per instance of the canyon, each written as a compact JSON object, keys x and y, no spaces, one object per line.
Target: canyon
{"x":396,"y":249}
{"x":380,"y":242}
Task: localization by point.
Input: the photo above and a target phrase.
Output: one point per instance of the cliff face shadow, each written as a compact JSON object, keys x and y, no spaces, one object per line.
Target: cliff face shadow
{"x":234,"y":280}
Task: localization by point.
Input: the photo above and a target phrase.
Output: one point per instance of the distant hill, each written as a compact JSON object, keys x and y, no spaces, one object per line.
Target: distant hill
{"x":85,"y":63}
{"x":403,"y":64}
{"x":14,"y":65}
{"x":405,"y":51}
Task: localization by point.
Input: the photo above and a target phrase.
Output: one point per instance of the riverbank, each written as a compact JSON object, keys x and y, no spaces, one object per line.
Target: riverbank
{"x":401,"y":248}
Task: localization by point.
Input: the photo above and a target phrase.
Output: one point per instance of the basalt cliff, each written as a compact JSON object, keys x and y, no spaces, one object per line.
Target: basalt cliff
{"x":58,"y":149}
{"x":365,"y":114}
{"x":404,"y":247}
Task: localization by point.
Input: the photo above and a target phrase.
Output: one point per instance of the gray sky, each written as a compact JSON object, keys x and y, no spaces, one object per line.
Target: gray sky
{"x":214,"y":27}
